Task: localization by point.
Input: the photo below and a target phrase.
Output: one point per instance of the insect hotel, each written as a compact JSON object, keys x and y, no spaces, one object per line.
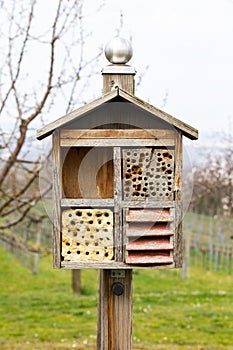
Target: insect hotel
{"x":117,"y":177}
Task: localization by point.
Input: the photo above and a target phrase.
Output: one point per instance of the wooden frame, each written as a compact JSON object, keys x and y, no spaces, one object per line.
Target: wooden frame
{"x":57,"y":196}
{"x":117,"y":140}
{"x":178,"y":202}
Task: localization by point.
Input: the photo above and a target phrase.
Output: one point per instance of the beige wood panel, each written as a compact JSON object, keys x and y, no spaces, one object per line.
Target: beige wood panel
{"x":88,"y":173}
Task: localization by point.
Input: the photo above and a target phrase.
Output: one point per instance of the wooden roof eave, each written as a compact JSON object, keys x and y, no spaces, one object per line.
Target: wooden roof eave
{"x":68,"y":118}
{"x":186,"y":129}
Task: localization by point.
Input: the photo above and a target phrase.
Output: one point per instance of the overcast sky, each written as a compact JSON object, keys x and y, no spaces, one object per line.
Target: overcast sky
{"x":188,"y":46}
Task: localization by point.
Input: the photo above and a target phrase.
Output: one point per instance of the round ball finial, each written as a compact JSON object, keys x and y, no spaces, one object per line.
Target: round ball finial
{"x":118,"y":51}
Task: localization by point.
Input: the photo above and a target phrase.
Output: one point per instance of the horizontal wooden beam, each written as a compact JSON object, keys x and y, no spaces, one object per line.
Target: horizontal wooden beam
{"x":120,"y":133}
{"x":110,"y":142}
{"x":111,"y":265}
{"x":143,"y":204}
{"x":73,"y":202}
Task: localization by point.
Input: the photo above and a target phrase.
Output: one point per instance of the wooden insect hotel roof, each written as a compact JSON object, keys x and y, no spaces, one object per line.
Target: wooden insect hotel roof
{"x":111,"y":96}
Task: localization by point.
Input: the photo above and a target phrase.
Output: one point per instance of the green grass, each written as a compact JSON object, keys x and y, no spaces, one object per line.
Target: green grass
{"x":41,"y":312}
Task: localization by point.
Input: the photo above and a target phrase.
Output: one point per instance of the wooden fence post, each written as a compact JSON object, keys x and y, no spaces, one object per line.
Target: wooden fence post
{"x":115,"y":312}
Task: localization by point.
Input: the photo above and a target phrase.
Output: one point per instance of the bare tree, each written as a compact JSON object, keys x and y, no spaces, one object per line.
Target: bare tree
{"x":213,"y":179}
{"x":44,"y":72}
{"x":43,"y":68}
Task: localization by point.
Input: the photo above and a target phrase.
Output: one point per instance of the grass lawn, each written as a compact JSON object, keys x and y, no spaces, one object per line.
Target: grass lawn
{"x":41,"y":312}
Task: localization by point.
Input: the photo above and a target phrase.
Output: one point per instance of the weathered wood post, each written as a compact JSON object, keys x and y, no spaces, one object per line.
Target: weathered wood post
{"x":117,"y":176}
{"x":115,"y":309}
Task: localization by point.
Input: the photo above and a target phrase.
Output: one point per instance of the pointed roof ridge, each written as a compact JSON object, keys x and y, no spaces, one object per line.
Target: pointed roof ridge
{"x":48,"y":129}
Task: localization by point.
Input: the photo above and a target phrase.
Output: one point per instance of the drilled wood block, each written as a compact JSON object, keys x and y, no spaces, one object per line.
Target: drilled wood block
{"x":87,"y":235}
{"x":148,"y":173}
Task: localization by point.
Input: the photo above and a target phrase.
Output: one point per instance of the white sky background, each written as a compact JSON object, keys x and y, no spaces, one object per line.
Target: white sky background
{"x":188,"y":46}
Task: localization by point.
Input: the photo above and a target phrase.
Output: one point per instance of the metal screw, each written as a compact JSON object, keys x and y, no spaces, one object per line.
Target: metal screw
{"x":118,"y":288}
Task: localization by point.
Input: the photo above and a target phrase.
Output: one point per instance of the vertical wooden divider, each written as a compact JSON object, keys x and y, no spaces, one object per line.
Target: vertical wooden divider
{"x":115,"y":312}
{"x":118,"y":241}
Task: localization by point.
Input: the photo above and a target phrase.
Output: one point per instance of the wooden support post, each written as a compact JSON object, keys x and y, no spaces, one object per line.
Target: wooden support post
{"x":114,"y":312}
